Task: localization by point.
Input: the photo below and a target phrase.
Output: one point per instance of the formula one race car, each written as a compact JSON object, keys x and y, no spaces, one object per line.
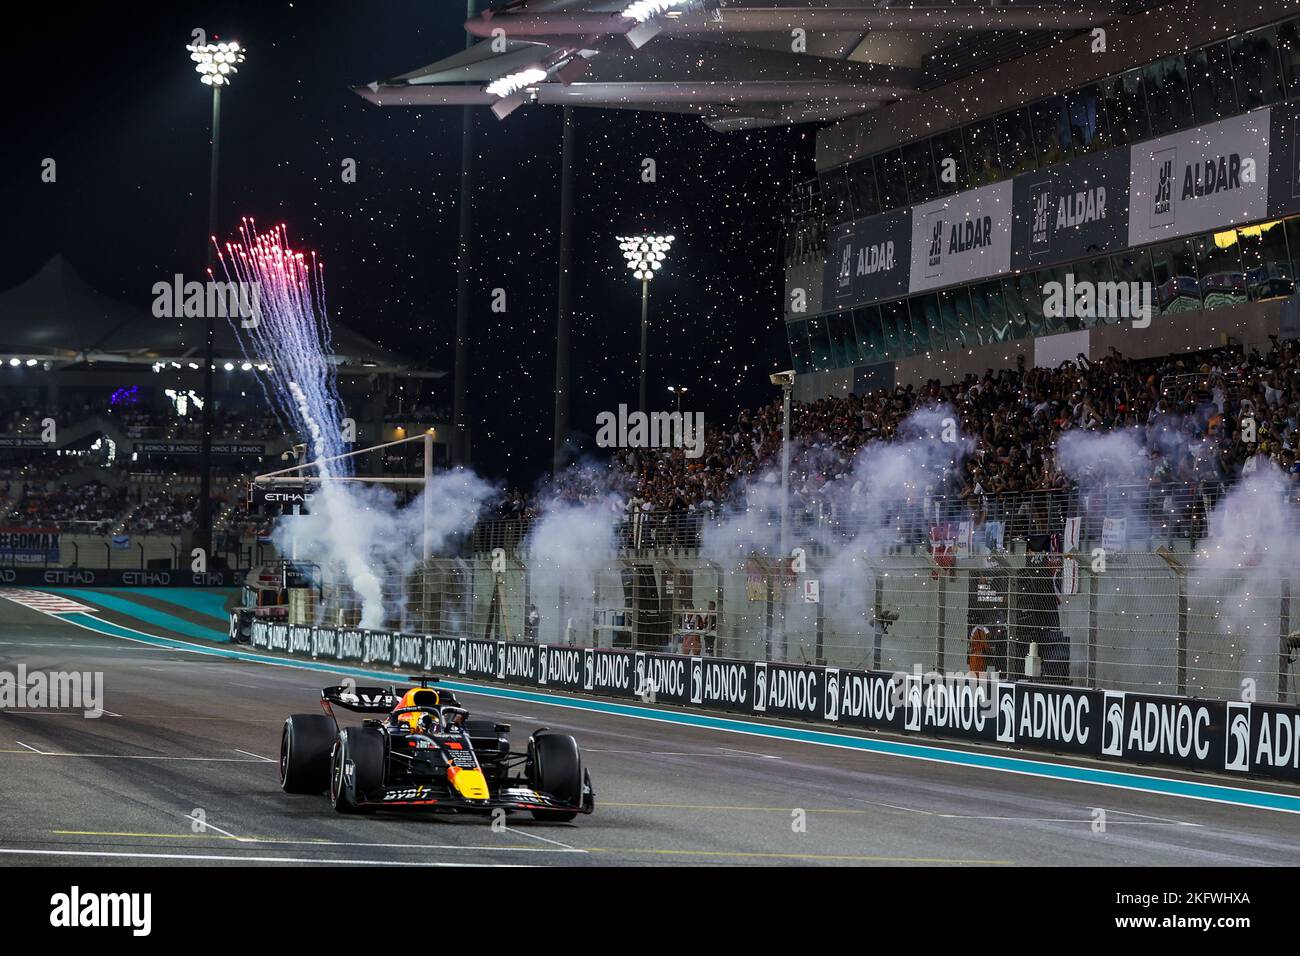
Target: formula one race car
{"x":426,"y":752}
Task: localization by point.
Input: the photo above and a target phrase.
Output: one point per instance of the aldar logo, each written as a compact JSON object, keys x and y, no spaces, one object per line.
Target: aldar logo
{"x":1162,"y":197}
{"x":934,"y":258}
{"x":832,"y":711}
{"x":1236,"y":745}
{"x":845,"y":278}
{"x":1112,"y":740}
{"x":1007,"y":713}
{"x":1040,"y":232}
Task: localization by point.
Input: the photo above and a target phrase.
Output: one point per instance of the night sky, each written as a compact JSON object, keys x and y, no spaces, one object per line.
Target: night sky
{"x":112,"y":96}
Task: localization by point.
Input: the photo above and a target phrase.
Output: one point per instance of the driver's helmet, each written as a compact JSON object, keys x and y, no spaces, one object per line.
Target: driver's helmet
{"x":419,"y":721}
{"x":425,"y":723}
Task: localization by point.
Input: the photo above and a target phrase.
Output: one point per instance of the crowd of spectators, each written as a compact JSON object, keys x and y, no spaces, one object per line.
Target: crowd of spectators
{"x":1189,"y":415}
{"x":1198,"y":421}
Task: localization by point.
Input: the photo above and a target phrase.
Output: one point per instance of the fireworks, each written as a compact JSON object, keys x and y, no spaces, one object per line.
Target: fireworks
{"x":288,"y":330}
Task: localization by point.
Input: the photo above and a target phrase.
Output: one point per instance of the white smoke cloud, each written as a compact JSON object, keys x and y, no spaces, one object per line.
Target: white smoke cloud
{"x":378,"y":542}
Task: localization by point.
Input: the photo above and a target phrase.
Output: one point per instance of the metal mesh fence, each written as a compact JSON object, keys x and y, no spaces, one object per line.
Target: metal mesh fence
{"x":1159,"y":622}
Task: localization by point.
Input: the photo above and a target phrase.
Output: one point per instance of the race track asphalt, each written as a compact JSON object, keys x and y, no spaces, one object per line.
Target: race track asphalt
{"x":181,"y":770}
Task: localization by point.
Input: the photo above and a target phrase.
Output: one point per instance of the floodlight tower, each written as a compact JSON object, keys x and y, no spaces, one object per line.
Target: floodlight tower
{"x":215,"y":63}
{"x":645,"y":256}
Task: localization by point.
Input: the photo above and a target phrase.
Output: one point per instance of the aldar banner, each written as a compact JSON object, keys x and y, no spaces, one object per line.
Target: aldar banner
{"x":1200,"y":179}
{"x":867,"y":260}
{"x":962,"y":238}
{"x":1071,"y":211}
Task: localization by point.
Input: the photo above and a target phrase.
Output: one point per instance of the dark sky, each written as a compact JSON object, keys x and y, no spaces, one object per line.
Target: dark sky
{"x":111,"y":95}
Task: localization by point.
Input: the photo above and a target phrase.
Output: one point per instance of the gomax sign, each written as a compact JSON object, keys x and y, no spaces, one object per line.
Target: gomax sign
{"x":962,"y":238}
{"x":867,"y":260}
{"x":1071,"y":211}
{"x":1199,"y":180}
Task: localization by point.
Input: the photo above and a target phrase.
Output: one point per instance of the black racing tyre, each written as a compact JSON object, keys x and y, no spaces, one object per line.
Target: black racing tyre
{"x":305,"y":745}
{"x":555,"y":768}
{"x":364,"y":747}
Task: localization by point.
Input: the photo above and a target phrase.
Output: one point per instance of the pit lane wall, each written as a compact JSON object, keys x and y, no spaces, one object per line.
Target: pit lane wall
{"x":1227,"y":737}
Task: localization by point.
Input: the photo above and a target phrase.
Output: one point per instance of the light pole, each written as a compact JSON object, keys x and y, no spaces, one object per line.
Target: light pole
{"x":215,"y":63}
{"x":645,"y":256}
{"x":786,"y":381}
{"x":679,"y":391}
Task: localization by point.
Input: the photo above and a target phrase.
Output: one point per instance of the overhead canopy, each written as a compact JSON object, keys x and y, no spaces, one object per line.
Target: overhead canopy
{"x":56,"y":316}
{"x":737,"y":63}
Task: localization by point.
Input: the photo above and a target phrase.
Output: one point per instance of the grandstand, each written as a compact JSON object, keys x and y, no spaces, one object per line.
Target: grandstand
{"x":101,"y":425}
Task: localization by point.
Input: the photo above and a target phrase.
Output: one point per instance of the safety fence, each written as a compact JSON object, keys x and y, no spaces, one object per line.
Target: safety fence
{"x":1230,"y":737}
{"x":1152,"y":622}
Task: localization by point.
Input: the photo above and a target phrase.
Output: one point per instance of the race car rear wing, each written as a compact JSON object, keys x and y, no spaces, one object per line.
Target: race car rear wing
{"x":361,"y":700}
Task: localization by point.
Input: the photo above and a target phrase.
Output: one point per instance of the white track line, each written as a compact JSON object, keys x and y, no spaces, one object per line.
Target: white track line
{"x":248,"y":754}
{"x":212,"y":826}
{"x":46,"y":753}
{"x":565,"y":846}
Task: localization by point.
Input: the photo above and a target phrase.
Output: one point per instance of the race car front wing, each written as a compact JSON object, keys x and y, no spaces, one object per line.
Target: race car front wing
{"x":515,"y":795}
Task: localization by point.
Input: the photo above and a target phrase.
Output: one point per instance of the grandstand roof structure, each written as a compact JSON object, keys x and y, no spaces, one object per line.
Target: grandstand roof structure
{"x":56,"y":316}
{"x":738,"y":64}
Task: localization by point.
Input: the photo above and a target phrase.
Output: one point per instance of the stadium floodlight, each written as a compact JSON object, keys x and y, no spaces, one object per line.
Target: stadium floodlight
{"x":644,"y":255}
{"x":216,"y":63}
{"x":512,"y":83}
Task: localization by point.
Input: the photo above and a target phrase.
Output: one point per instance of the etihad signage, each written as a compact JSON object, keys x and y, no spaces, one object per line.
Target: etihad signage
{"x":1199,"y":180}
{"x":1071,"y":211}
{"x":961,"y":238}
{"x":867,"y":260}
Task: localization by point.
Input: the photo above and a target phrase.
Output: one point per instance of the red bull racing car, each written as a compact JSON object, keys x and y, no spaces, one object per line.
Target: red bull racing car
{"x":426,"y":752}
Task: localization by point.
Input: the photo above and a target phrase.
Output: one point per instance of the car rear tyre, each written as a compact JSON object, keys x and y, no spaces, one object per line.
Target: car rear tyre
{"x":555,"y":768}
{"x":305,"y":746}
{"x":363,"y":747}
